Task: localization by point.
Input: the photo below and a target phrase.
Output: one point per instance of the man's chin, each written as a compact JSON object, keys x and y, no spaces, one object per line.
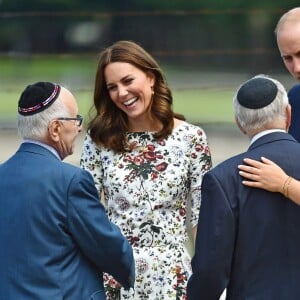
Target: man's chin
{"x":296,"y":76}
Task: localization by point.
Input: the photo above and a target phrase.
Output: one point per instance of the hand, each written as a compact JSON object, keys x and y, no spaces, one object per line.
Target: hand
{"x":264,"y":175}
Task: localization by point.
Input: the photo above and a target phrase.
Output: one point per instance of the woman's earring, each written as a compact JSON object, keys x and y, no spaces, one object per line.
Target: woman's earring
{"x":152,"y":90}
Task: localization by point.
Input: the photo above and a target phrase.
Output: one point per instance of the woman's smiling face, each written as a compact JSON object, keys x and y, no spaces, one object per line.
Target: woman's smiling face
{"x":129,"y":88}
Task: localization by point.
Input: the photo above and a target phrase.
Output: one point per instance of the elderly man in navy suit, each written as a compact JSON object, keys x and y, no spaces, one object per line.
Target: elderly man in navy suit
{"x":55,"y":237}
{"x":248,"y":239}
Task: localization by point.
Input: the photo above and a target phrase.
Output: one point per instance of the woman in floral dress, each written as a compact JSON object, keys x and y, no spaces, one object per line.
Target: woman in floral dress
{"x":148,"y":164}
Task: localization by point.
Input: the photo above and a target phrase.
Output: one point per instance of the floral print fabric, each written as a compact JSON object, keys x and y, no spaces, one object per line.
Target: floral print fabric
{"x":152,"y":192}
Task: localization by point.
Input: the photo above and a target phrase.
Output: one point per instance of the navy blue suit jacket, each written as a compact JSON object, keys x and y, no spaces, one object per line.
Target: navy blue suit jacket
{"x":248,"y":239}
{"x":55,"y":238}
{"x":294,"y":99}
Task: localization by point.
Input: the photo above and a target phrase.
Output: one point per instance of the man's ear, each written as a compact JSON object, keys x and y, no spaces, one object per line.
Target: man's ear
{"x":54,"y":129}
{"x":239,"y":126}
{"x":288,"y":113}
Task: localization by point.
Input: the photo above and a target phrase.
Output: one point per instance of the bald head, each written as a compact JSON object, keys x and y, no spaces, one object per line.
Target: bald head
{"x":290,"y":18}
{"x":288,"y":40}
{"x":69,"y":101}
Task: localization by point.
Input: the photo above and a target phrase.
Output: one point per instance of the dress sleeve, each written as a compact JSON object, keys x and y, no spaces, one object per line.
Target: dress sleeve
{"x":200,"y":159}
{"x":91,"y":161}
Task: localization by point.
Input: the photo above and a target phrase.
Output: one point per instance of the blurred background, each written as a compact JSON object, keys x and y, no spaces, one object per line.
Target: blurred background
{"x":205,"y":48}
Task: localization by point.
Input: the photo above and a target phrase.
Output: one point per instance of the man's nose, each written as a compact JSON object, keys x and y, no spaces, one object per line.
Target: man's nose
{"x":296,"y":65}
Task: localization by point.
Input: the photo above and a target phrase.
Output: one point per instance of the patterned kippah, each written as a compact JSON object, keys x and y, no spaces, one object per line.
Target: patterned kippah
{"x":37,"y":97}
{"x":257,"y":93}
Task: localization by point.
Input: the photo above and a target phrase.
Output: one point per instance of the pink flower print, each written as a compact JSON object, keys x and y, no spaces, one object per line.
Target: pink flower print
{"x":150,"y":147}
{"x":162,"y":143}
{"x":180,"y":285}
{"x":134,"y":240}
{"x":194,"y":155}
{"x":159,"y":156}
{"x":114,"y":284}
{"x":153,"y":176}
{"x":199,"y":132}
{"x":127,"y":158}
{"x":199,"y":147}
{"x":141,"y":265}
{"x":180,"y":276}
{"x":138,"y":160}
{"x":150,"y":155}
{"x":161,"y":167}
{"x":122,"y":203}
{"x":207,"y":152}
{"x":182,"y":212}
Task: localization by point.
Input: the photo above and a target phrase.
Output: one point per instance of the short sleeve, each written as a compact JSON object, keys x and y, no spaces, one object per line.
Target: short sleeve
{"x":200,"y":163}
{"x":91,"y":161}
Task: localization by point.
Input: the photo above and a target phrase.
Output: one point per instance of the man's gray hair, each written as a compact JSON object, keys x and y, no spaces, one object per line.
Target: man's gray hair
{"x":36,"y":126}
{"x":252,"y":120}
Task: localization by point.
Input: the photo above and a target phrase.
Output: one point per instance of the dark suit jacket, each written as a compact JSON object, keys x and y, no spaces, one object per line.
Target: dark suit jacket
{"x":248,"y":239}
{"x":294,"y":99}
{"x":55,"y":238}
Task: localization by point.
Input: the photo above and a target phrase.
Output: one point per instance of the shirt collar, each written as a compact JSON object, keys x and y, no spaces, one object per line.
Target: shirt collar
{"x":265,"y":132}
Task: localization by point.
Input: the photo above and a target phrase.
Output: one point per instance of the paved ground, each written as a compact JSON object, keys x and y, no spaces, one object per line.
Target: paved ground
{"x":224,"y":141}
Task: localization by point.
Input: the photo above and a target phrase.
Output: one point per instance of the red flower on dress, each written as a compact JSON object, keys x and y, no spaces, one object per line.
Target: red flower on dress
{"x":161,"y":167}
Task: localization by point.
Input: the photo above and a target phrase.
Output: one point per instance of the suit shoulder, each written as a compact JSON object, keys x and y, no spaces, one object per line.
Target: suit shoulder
{"x":229,"y":162}
{"x":294,"y":93}
{"x":73,"y":170}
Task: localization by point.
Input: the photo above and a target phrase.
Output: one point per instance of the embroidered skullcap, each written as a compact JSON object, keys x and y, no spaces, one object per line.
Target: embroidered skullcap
{"x":257,"y":93}
{"x":37,"y":97}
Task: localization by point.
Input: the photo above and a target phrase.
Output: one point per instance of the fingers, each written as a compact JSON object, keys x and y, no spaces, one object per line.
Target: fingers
{"x":253,"y":184}
{"x":252,"y":162}
{"x":257,"y":164}
{"x":246,"y":174}
{"x":250,"y":176}
{"x":267,"y":161}
{"x":248,"y":169}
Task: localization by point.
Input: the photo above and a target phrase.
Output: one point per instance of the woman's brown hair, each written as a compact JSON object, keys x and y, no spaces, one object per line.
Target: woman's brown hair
{"x":109,"y":126}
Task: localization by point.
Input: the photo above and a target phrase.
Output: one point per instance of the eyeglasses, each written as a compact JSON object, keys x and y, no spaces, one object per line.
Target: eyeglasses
{"x":78,"y":119}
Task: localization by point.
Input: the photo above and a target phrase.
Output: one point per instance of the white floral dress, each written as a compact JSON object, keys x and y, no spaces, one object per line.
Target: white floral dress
{"x":148,"y":192}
